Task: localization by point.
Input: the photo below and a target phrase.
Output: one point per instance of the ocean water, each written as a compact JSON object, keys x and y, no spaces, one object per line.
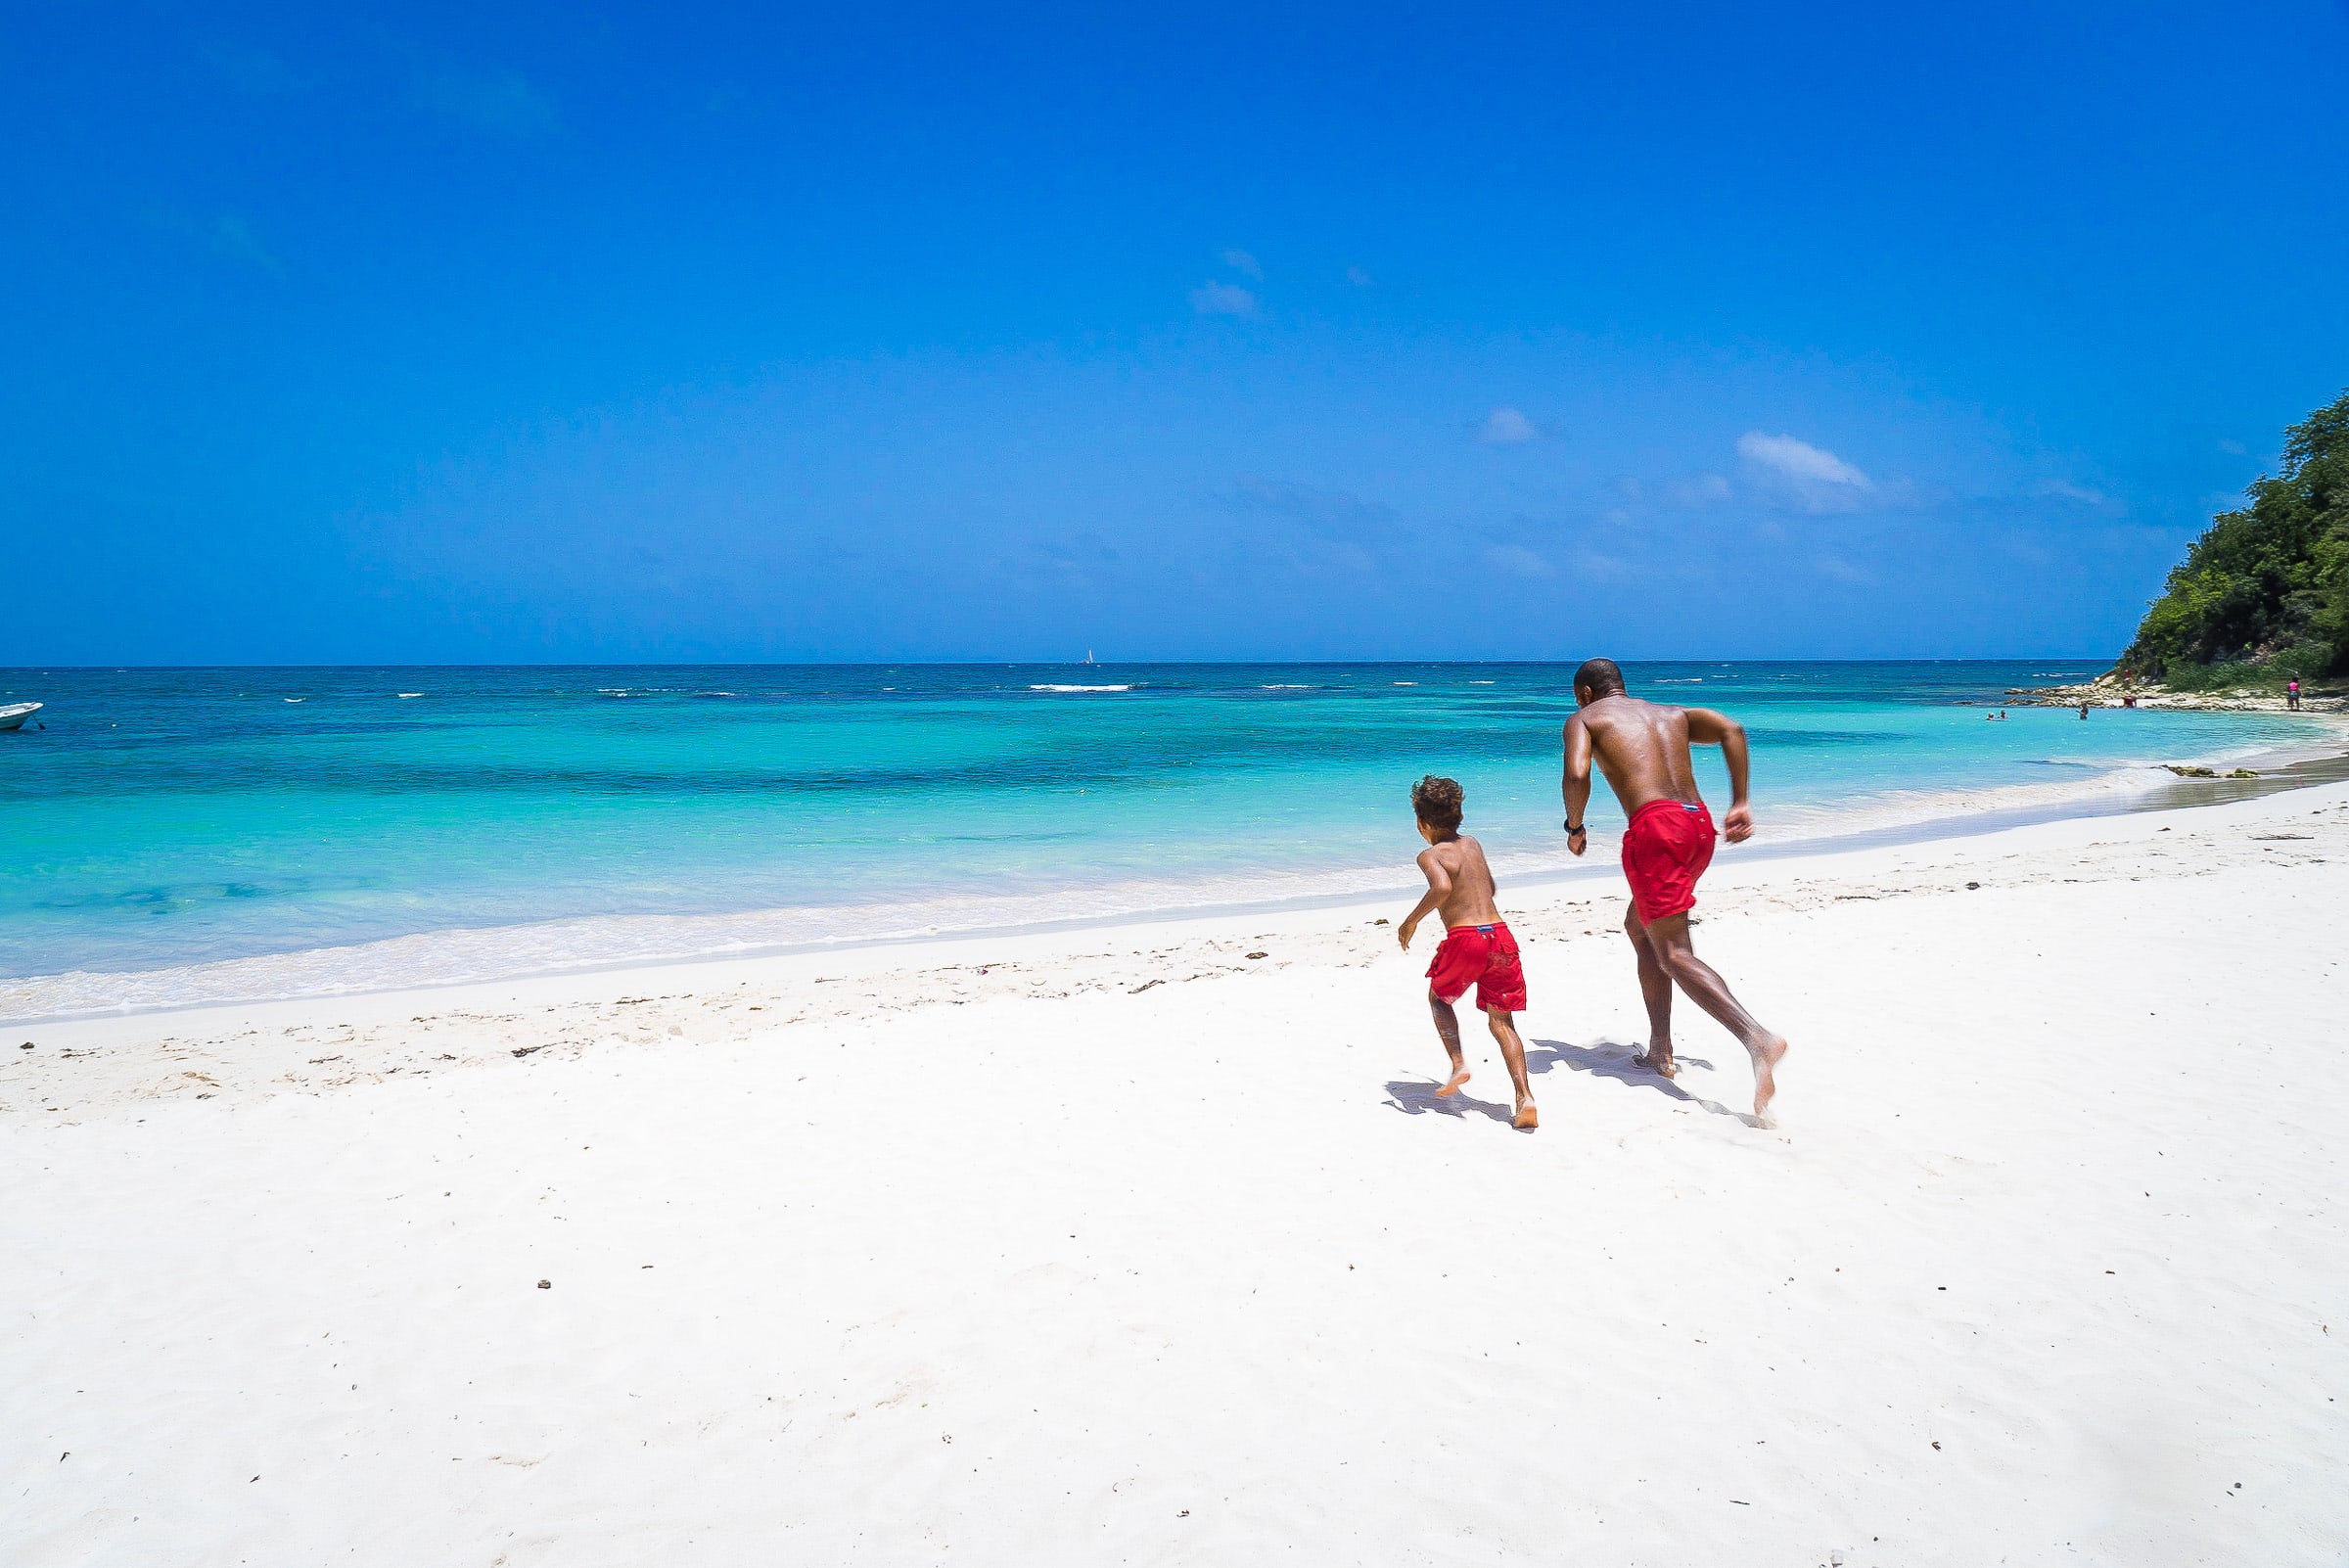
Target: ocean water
{"x":190,"y":834}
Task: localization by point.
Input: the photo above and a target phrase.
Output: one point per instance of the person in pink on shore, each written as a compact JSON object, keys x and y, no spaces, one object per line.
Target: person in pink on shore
{"x":1477,"y":947}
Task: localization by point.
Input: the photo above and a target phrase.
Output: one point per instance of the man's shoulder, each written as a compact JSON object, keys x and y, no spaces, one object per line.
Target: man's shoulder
{"x":1610,"y":709}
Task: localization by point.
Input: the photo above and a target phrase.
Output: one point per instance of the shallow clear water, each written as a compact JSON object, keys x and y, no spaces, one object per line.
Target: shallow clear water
{"x":166,"y":818}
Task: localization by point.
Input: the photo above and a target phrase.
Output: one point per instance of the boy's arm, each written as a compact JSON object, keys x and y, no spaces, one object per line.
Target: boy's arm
{"x":1576,"y":785}
{"x":1439,"y":888}
{"x":1709,"y":728}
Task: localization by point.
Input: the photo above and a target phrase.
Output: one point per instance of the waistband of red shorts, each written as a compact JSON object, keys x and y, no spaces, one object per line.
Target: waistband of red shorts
{"x":1488,"y":925}
{"x":1692,"y":808}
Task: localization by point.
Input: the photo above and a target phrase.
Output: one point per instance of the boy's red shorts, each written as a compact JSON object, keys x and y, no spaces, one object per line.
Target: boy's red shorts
{"x":1665,"y":850}
{"x":1485,"y":956}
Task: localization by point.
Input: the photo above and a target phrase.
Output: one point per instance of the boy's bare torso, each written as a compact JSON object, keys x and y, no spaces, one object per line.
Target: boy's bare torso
{"x":1643,"y":748}
{"x":1470,"y":900}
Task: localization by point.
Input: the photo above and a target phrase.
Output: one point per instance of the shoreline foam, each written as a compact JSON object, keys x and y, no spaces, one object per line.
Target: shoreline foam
{"x":618,"y":943}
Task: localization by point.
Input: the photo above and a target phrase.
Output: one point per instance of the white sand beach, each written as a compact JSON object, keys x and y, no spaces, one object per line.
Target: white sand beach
{"x":1131,"y":1246}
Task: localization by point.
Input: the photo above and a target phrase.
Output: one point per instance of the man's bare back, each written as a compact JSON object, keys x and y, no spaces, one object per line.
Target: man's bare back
{"x":1642,"y":750}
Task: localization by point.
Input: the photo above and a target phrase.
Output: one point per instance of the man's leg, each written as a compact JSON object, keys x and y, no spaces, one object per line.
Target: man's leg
{"x":1447,"y":1027}
{"x":1669,"y":937}
{"x":1655,"y":989}
{"x":1512,"y":1052}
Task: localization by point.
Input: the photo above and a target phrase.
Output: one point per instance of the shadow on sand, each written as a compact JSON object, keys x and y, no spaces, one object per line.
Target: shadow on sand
{"x":1418,"y":1098}
{"x":1604,"y":1059}
{"x":1609,"y":1060}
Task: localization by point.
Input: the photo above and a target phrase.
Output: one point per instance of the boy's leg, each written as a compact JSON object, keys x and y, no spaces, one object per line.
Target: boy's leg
{"x":1447,"y":1027}
{"x":1512,"y":1052}
{"x":1655,"y":989}
{"x":1670,"y":938}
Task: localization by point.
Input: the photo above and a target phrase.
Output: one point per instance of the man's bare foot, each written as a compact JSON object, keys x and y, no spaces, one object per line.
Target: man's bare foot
{"x":1451,"y":1085}
{"x":1658,"y":1058}
{"x":1767,"y":1057}
{"x":1528,"y":1118}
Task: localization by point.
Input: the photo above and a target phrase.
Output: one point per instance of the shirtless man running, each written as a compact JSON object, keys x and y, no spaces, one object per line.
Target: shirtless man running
{"x":1643,"y":748}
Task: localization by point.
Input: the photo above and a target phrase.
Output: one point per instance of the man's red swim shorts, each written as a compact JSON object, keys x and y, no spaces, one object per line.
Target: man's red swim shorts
{"x":1665,"y":850}
{"x":1485,"y":956}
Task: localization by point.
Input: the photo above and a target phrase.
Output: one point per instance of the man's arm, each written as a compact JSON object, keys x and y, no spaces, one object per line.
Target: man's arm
{"x":1439,"y":888}
{"x":1709,"y":728}
{"x":1575,"y":787}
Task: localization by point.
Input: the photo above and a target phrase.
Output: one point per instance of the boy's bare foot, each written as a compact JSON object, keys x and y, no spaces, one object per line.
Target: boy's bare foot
{"x":1528,"y":1118}
{"x":1452,"y":1084}
{"x":1767,"y":1057}
{"x":1658,"y":1058}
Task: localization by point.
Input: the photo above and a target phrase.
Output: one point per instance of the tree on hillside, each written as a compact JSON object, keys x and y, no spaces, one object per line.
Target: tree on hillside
{"x":2267,"y":584}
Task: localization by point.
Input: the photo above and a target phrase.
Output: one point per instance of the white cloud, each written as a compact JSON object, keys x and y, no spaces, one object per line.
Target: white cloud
{"x":1358,"y":277}
{"x":1336,"y":514}
{"x":1242,"y":262}
{"x":1809,"y":478}
{"x":499,"y":100}
{"x":1223,"y":300}
{"x":233,"y":237}
{"x":1799,"y":460}
{"x":1520,"y":560}
{"x":1698,"y":489}
{"x":2082,"y":493}
{"x":226,"y":235}
{"x":1506,"y":427}
{"x":254,"y":70}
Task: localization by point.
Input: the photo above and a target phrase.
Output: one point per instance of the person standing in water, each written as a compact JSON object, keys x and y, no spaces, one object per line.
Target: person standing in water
{"x":1643,"y":748}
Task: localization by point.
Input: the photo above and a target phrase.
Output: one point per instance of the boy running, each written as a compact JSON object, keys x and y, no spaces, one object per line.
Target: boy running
{"x":1643,"y":748}
{"x":1477,"y":946}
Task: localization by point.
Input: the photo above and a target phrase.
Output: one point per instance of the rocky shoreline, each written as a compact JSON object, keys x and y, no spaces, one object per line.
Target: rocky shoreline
{"x":2107,"y":691}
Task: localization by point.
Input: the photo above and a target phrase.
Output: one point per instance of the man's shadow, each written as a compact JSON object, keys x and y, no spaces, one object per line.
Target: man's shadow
{"x":1607,"y":1059}
{"x":1611,"y":1059}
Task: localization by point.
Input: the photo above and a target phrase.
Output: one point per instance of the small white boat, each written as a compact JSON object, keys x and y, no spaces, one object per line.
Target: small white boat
{"x":13,"y":717}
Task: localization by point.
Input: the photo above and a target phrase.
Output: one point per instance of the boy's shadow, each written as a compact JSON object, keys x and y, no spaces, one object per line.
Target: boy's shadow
{"x":1604,"y":1059}
{"x":1419,"y":1098}
{"x":1610,"y":1060}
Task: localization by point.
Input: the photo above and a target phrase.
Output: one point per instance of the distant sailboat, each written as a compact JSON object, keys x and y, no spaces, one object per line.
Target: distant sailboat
{"x":1089,"y":656}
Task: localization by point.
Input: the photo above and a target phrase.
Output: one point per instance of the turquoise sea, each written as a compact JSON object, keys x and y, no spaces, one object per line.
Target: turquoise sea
{"x":179,"y":834}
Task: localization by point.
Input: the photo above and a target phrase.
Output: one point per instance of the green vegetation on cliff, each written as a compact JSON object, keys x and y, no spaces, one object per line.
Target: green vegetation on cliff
{"x":2264,"y":593}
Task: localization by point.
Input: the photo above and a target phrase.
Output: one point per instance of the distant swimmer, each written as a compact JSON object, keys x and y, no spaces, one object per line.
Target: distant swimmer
{"x":2083,"y":709}
{"x":1643,"y":748}
{"x":1477,"y":947}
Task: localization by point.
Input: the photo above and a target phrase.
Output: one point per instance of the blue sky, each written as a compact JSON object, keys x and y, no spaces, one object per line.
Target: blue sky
{"x":500,"y":333}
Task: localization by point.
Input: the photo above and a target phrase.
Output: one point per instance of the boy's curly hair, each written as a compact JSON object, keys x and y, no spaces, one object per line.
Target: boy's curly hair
{"x":1438,"y":801}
